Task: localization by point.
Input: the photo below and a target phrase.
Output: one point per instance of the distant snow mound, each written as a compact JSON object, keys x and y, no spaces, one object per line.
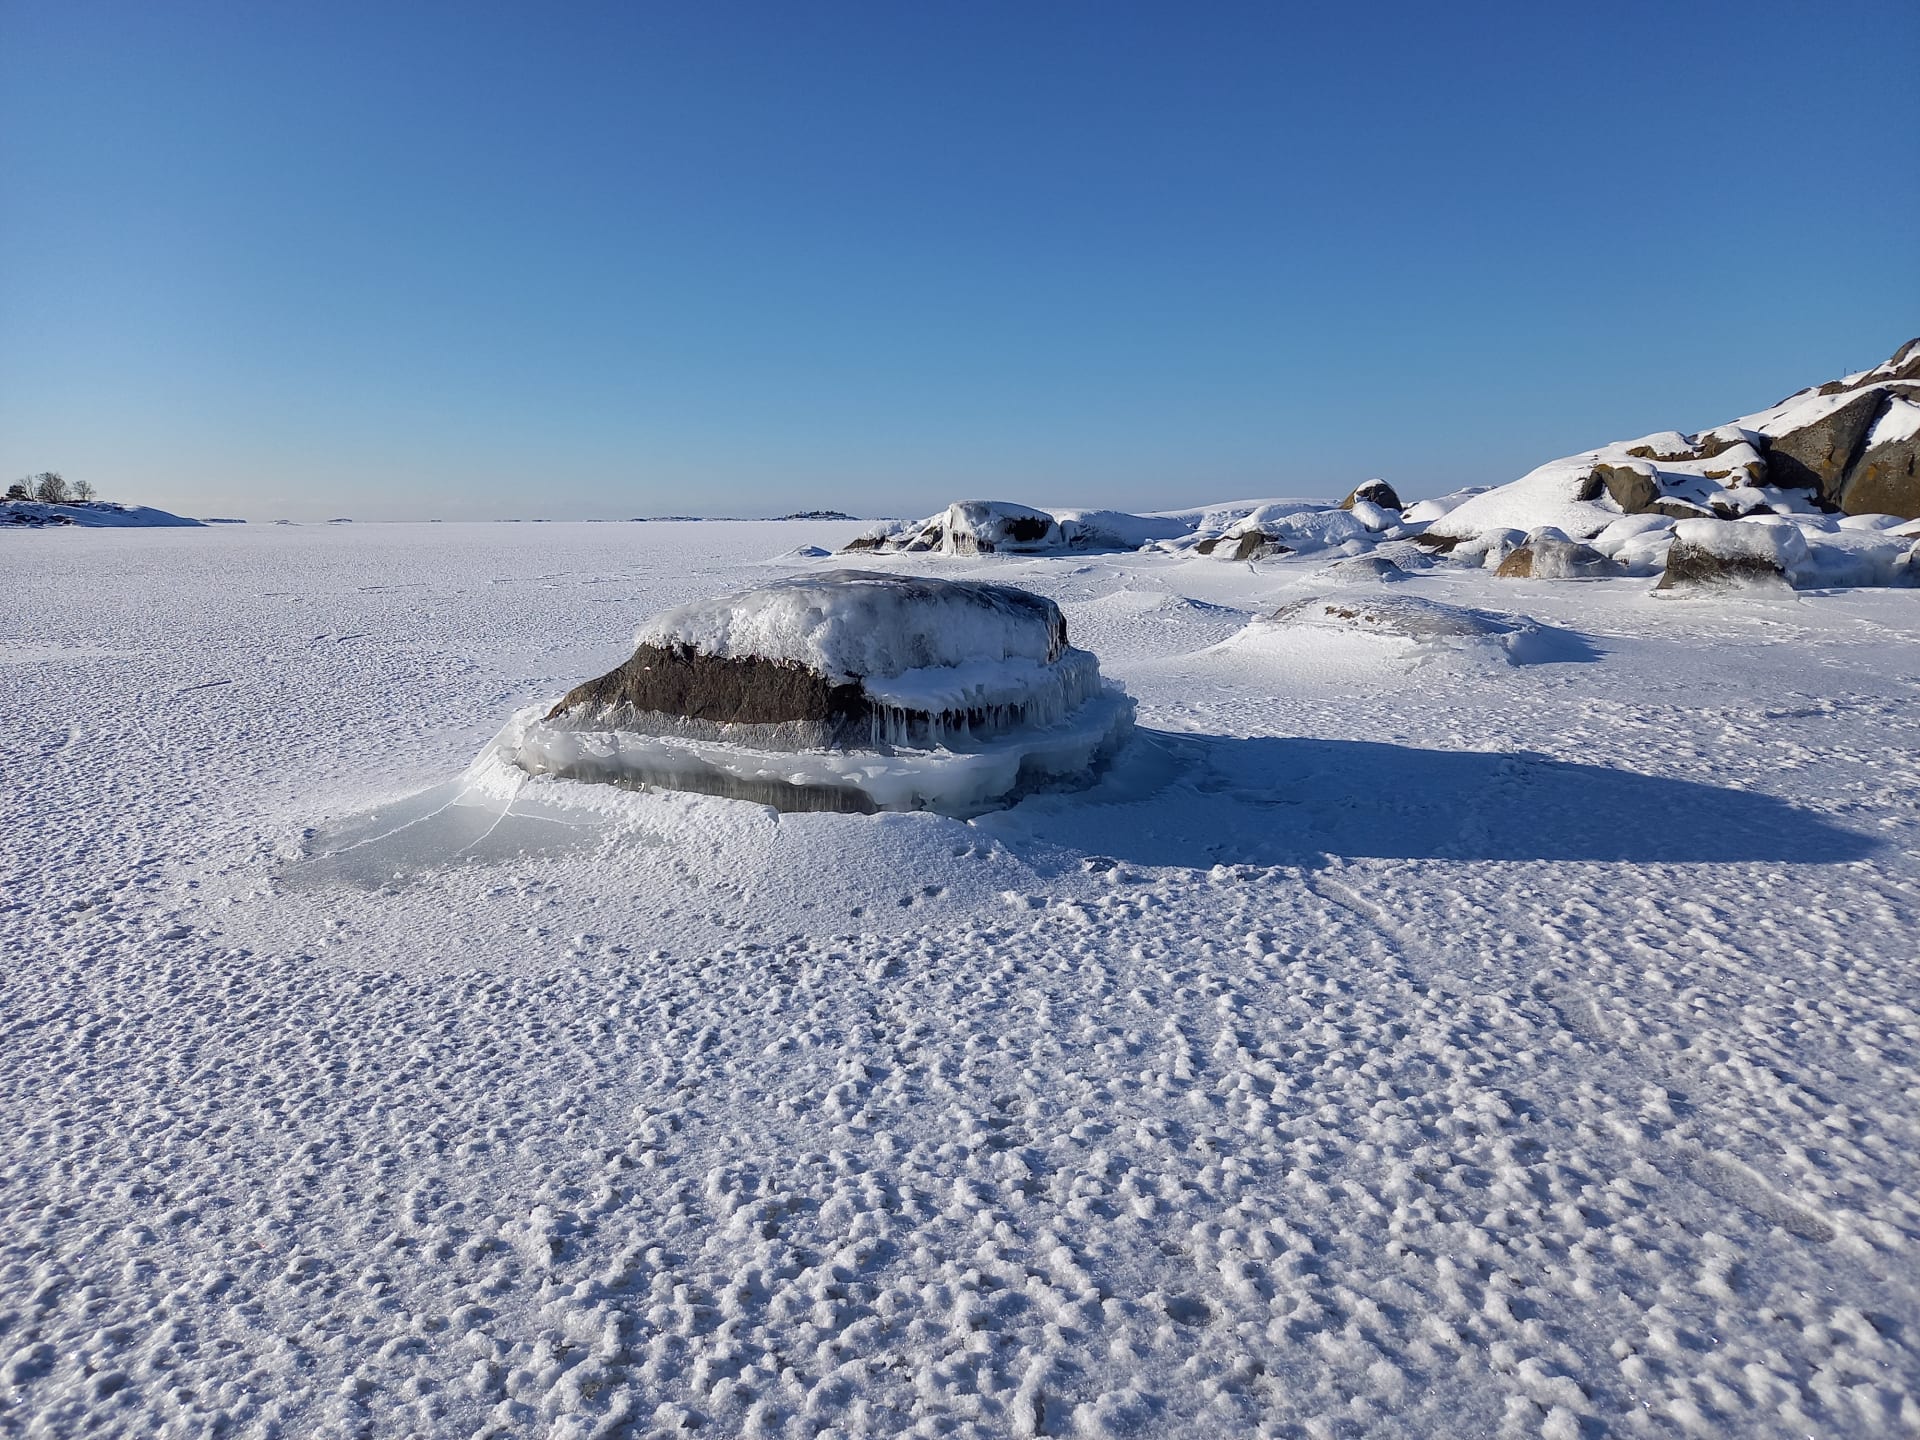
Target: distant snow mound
{"x":1362,"y":570}
{"x":91,"y":514}
{"x":846,"y":690}
{"x":1000,"y":527}
{"x":1415,"y":628}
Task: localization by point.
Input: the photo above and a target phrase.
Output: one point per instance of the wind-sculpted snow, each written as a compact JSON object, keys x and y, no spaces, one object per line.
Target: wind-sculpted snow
{"x":1394,"y":1041}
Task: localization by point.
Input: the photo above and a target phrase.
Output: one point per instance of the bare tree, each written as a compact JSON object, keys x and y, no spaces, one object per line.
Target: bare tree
{"x":50,"y":488}
{"x":83,"y":491}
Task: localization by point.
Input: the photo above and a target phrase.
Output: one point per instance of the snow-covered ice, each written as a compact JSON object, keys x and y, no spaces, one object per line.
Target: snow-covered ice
{"x":1397,"y":1039}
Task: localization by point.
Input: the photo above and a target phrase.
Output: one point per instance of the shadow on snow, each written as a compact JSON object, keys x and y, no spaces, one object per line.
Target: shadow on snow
{"x":1203,"y":800}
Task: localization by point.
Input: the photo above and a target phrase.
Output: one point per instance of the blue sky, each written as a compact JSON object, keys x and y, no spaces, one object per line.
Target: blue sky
{"x":305,"y":260}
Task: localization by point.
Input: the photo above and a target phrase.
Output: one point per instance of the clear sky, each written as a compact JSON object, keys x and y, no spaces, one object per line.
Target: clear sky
{"x":405,"y":260}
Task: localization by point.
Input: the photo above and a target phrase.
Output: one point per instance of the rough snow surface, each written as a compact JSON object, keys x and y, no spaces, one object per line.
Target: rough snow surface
{"x":1402,"y":1043}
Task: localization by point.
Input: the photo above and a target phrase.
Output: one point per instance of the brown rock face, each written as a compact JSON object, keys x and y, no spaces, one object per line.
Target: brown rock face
{"x":1632,"y":488}
{"x":1885,"y":480}
{"x":708,"y":690}
{"x":1517,"y":566}
{"x":1697,"y":565}
{"x":1546,"y":558}
{"x":1376,"y":491}
{"x":1815,"y":457}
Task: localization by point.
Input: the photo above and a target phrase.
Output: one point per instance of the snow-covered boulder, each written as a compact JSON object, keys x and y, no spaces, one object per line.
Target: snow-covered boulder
{"x":1732,"y":552}
{"x":1000,"y":527}
{"x":1374,"y":492}
{"x":988,"y":527}
{"x":1549,"y":555}
{"x":1290,"y":527}
{"x":1116,"y":529}
{"x":1637,"y":543}
{"x":845,"y":690}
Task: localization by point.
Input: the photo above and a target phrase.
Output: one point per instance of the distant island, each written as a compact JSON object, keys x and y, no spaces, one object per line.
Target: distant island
{"x":796,"y":515}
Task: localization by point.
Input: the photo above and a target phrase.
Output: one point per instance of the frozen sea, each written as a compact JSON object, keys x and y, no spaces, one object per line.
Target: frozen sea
{"x":1399,"y":1039}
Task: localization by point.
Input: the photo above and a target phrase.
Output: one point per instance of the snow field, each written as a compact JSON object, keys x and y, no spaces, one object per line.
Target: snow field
{"x":1399,"y":1040}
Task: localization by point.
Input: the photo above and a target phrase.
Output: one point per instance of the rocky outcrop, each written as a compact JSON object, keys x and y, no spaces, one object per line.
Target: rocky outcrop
{"x":1885,"y":479}
{"x":1554,"y":557}
{"x":1816,"y":456}
{"x":1632,"y":487}
{"x":1841,"y":446}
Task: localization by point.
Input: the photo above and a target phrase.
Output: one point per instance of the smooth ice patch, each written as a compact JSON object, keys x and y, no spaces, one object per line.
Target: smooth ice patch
{"x":466,"y":821}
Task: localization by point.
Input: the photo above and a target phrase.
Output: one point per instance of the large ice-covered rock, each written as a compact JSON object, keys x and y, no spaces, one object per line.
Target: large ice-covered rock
{"x":1736,"y":552}
{"x":846,"y":690}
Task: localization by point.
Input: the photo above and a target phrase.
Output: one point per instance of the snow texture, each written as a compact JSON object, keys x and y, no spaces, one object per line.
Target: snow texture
{"x":1900,"y":421}
{"x":1395,"y":1041}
